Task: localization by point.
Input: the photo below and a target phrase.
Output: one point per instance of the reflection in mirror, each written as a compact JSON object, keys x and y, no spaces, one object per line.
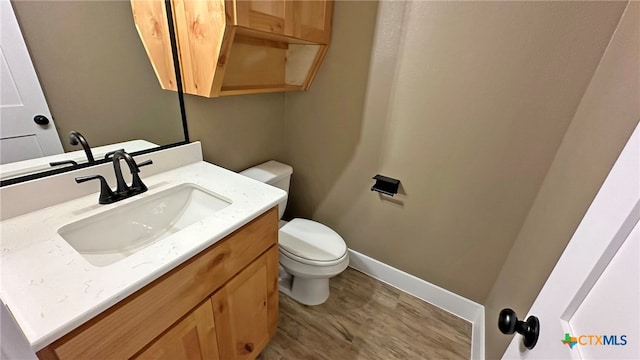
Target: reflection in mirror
{"x":95,"y":77}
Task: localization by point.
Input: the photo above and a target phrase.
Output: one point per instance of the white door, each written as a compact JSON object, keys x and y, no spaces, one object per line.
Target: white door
{"x":21,"y":98}
{"x":589,"y":308}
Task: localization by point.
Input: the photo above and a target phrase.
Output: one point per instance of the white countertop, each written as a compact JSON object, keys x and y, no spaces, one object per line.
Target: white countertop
{"x":51,"y":289}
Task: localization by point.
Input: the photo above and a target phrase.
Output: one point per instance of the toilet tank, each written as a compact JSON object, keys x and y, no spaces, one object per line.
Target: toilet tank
{"x":275,"y":174}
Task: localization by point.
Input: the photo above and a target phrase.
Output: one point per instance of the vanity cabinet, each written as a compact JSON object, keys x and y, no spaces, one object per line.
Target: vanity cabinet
{"x":220,"y":304}
{"x":231,"y":47}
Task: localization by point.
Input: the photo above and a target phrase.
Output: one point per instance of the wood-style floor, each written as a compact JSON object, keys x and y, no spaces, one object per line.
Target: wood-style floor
{"x":367,"y":319}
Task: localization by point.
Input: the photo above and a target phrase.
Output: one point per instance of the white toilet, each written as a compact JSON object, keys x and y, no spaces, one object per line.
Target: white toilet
{"x":310,"y":253}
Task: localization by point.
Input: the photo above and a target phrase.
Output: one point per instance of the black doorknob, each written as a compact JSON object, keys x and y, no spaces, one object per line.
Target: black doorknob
{"x":40,"y":120}
{"x":508,"y":323}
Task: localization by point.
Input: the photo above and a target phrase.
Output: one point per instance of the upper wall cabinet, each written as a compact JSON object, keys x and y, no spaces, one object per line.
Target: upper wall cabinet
{"x":236,"y":46}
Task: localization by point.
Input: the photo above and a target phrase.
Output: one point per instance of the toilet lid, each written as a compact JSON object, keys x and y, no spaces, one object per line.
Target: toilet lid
{"x":311,"y":240}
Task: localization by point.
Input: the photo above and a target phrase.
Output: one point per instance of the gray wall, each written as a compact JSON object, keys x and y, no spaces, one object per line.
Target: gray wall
{"x":238,"y":131}
{"x":465,"y":102}
{"x":604,"y":120}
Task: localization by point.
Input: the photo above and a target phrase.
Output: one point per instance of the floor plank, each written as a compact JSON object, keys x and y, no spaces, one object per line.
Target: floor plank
{"x":367,"y":319}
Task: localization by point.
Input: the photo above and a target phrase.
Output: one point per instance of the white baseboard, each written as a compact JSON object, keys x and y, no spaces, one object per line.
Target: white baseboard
{"x":442,"y":298}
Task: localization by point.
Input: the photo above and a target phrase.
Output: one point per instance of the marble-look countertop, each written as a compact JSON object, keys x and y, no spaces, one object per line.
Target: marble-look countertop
{"x":51,"y":289}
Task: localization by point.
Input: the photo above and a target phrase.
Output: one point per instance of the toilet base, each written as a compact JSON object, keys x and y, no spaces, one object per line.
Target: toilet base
{"x":306,"y":291}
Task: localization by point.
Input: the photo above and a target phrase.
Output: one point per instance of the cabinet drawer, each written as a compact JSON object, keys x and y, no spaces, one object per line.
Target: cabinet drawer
{"x":121,"y":331}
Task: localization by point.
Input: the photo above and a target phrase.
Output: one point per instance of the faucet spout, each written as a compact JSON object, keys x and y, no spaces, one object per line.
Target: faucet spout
{"x":137,"y":186}
{"x":133,"y":168}
{"x":76,"y":138}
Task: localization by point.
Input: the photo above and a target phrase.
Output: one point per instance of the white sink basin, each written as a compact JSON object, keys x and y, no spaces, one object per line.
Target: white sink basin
{"x":117,"y":233}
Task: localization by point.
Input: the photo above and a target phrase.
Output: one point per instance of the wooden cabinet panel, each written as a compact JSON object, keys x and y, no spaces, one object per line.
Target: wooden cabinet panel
{"x":192,"y":338}
{"x":268,"y":16}
{"x":309,"y":20}
{"x":150,"y":18}
{"x":123,"y":330}
{"x":246,"y":309}
{"x":199,"y":31}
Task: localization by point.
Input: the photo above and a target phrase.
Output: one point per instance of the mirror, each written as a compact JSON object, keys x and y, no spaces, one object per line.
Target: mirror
{"x":97,"y":80}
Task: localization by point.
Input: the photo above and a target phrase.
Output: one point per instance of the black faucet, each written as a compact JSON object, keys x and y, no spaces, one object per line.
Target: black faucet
{"x":75,"y":138}
{"x":123,"y":191}
{"x":137,"y":186}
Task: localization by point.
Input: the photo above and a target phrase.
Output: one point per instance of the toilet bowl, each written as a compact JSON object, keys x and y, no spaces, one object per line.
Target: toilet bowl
{"x":310,"y":252}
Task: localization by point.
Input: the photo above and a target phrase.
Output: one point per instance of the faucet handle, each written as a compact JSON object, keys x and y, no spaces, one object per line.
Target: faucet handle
{"x":136,"y":182}
{"x":106,"y":194}
{"x":64,"y":162}
{"x":145,"y":163}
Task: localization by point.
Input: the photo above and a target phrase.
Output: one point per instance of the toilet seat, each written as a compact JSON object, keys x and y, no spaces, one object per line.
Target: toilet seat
{"x":312,"y":243}
{"x":313,"y":263}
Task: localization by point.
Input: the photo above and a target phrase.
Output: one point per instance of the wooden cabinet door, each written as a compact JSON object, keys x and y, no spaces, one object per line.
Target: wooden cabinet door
{"x":246,"y":309}
{"x":262,"y":15}
{"x":192,"y":338}
{"x":309,"y":20}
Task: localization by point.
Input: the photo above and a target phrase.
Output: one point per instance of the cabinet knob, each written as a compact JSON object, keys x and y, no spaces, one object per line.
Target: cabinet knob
{"x":248,"y":347}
